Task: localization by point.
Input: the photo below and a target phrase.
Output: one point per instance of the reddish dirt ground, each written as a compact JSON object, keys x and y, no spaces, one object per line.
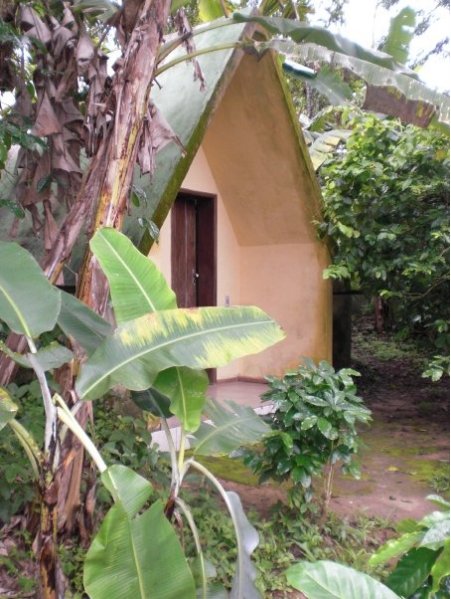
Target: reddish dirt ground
{"x":405,"y":452}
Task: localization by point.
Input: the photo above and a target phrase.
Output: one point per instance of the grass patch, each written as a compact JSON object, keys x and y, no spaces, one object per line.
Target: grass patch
{"x":232,"y":469}
{"x":286,"y":538}
{"x":383,"y":347}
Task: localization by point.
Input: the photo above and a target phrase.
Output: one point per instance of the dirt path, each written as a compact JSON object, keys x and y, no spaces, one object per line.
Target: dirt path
{"x":405,"y":455}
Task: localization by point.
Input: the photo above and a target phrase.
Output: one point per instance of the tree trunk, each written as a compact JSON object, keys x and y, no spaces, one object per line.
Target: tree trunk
{"x":106,"y":189}
{"x":49,"y":568}
{"x":379,"y":316}
{"x":132,"y":102}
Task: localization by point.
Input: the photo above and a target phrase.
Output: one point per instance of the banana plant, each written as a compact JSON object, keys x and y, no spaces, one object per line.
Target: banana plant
{"x":158,"y":351}
{"x":140,"y":295}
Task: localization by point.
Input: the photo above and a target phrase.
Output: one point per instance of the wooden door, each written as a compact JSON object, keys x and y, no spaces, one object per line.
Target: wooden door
{"x":184,"y":255}
{"x":193,"y":251}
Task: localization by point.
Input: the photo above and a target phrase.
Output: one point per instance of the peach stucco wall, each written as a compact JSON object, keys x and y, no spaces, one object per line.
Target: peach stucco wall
{"x":285,"y":280}
{"x":254,"y":161}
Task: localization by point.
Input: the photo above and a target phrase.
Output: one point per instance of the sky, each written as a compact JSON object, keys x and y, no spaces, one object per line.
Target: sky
{"x":366,"y":25}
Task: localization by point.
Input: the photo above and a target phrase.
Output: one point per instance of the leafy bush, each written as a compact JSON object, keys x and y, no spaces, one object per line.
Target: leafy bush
{"x":316,"y":410}
{"x":122,"y":439}
{"x":283,"y":538}
{"x":386,"y":211}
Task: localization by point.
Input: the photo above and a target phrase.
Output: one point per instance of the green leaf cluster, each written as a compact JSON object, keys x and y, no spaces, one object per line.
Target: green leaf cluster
{"x":421,"y":573}
{"x":423,"y":568}
{"x":386,"y":214}
{"x":314,"y":424}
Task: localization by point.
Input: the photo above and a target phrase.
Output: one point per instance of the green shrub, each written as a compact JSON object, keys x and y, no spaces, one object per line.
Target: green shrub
{"x":422,"y":572}
{"x":314,"y":428}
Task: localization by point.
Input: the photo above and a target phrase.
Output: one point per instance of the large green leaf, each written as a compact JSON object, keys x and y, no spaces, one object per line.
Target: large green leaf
{"x":137,"y":287}
{"x":440,"y":569}
{"x":82,"y":323}
{"x":438,"y":533}
{"x":49,"y":357}
{"x":153,"y":401}
{"x":29,"y":304}
{"x":8,"y":408}
{"x":203,"y":338}
{"x":400,"y":34}
{"x":186,"y":389}
{"x":395,"y":547}
{"x":328,"y":580}
{"x":410,"y":99}
{"x":247,"y":540}
{"x":228,"y":427}
{"x":306,"y":33}
{"x":210,"y":10}
{"x":53,"y":356}
{"x":412,"y":570}
{"x":127,"y":488}
{"x":326,"y":81}
{"x":138,"y":557}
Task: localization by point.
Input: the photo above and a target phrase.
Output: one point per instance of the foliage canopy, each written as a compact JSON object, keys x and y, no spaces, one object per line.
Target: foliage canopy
{"x":386,"y":206}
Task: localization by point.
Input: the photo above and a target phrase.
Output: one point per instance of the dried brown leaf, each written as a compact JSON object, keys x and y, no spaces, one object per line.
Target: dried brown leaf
{"x":23,"y":105}
{"x":388,"y":101}
{"x":156,"y":134}
{"x":63,"y":39}
{"x":185,"y":32}
{"x":61,"y":157}
{"x":85,"y":53}
{"x":46,"y":121}
{"x":33,"y":25}
{"x":68,"y":19}
{"x":50,"y":227}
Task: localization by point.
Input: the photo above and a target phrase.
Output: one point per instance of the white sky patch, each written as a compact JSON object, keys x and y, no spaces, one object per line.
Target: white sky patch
{"x":366,"y":24}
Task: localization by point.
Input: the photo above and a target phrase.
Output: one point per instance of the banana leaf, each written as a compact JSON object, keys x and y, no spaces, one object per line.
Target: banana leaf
{"x":29,"y":304}
{"x":139,"y":557}
{"x":137,"y":287}
{"x":83,"y":324}
{"x":203,"y":338}
{"x":228,"y":427}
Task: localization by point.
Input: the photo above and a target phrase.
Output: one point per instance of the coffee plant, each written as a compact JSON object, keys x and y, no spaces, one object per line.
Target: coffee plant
{"x":314,"y":428}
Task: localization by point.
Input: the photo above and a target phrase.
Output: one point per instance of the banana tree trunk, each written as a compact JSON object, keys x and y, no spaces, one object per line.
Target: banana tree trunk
{"x":52,"y":586}
{"x":132,"y":102}
{"x":105,"y":194}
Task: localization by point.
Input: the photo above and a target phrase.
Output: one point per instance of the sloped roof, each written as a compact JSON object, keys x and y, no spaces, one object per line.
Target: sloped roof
{"x":193,"y":114}
{"x":189,"y":111}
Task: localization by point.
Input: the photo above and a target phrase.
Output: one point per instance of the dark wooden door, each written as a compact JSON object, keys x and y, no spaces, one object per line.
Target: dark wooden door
{"x":184,"y":255}
{"x":193,"y":262}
